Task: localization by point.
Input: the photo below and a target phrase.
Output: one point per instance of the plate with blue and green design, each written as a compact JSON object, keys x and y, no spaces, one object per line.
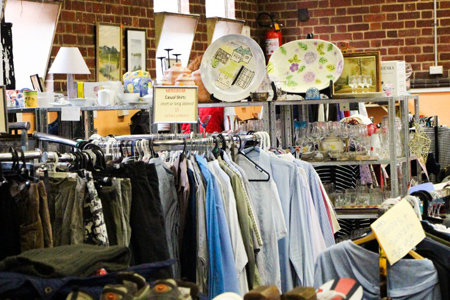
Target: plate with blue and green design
{"x":302,"y":64}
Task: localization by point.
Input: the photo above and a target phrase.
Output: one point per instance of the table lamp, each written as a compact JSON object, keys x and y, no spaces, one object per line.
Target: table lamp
{"x":69,"y":61}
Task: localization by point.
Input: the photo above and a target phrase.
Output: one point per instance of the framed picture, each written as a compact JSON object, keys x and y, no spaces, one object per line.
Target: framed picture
{"x":37,"y":83}
{"x":109,"y":52}
{"x":3,"y":111}
{"x":361,"y":74}
{"x":136,"y":49}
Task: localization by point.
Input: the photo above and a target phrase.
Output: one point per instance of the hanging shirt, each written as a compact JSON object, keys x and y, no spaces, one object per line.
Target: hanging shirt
{"x":319,"y":202}
{"x":169,"y":202}
{"x":296,"y":247}
{"x":240,"y":256}
{"x":222,"y":274}
{"x":269,"y":214}
{"x":245,"y":223}
{"x":406,"y":279}
{"x":202,"y":245}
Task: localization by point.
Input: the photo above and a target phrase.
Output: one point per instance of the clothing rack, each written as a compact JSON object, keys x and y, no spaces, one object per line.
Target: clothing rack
{"x":34,"y":154}
{"x":54,"y":139}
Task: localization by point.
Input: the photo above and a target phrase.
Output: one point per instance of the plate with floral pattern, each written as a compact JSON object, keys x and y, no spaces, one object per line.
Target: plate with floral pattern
{"x":302,"y":64}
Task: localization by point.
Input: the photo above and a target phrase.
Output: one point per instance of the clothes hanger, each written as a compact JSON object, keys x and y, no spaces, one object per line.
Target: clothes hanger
{"x":258,"y":167}
{"x":372,"y":236}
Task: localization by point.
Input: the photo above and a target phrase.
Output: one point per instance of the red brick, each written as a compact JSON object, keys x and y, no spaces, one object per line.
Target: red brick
{"x":337,"y":3}
{"x":341,"y":20}
{"x":358,"y":27}
{"x":324,"y":29}
{"x":374,"y":35}
{"x":410,"y":24}
{"x":410,"y":50}
{"x":375,"y":18}
{"x":428,"y":49}
{"x":358,"y":10}
{"x":393,"y":25}
{"x":425,"y":40}
{"x":393,"y":42}
{"x":324,"y":21}
{"x":391,"y":17}
{"x":360,"y":44}
{"x":375,"y":43}
{"x":424,"y":23}
{"x":341,"y":11}
{"x":341,"y":28}
{"x":341,"y":37}
{"x":444,"y":56}
{"x":392,"y":7}
{"x":410,"y":6}
{"x":329,"y":12}
{"x":425,"y":5}
{"x":409,"y":15}
{"x":375,"y":9}
{"x":409,"y":32}
{"x":393,"y":51}
{"x":357,"y":19}
{"x":443,"y":13}
{"x":427,"y":31}
{"x":371,"y":2}
{"x":375,"y":26}
{"x":358,"y":35}
{"x":427,"y":14}
{"x":424,"y":57}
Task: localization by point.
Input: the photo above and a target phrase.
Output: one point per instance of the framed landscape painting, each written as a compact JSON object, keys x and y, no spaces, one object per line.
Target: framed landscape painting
{"x":108,"y":52}
{"x":136,"y":50}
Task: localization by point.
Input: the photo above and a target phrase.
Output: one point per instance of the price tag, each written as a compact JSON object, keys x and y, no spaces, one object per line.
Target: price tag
{"x":398,"y":231}
{"x":175,"y":104}
{"x":344,"y":106}
{"x":70,"y":113}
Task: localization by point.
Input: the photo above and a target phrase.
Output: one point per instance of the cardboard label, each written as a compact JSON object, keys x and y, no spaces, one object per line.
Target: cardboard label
{"x":175,"y":104}
{"x":398,"y":231}
{"x":70,"y":113}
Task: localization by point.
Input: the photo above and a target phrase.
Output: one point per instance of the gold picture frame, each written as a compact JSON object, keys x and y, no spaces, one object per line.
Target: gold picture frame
{"x":108,"y":52}
{"x":357,"y":64}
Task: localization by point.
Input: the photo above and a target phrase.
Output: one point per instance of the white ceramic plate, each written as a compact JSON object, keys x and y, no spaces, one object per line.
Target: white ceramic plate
{"x":232,"y":67}
{"x":302,"y":64}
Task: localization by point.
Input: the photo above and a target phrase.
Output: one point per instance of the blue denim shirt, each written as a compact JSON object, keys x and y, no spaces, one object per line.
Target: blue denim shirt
{"x":222,"y":273}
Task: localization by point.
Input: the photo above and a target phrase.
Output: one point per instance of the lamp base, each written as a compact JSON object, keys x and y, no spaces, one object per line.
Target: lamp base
{"x":71,"y":90}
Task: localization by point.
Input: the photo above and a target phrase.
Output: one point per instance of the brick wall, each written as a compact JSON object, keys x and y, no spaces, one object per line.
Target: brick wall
{"x":76,"y":27}
{"x":399,"y":29}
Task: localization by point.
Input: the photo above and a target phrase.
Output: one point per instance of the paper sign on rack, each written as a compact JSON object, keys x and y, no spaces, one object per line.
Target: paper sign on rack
{"x":175,"y":104}
{"x":70,"y":113}
{"x":398,"y":231}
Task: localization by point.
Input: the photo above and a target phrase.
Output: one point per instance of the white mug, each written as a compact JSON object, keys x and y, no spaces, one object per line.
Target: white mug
{"x":105,"y":97}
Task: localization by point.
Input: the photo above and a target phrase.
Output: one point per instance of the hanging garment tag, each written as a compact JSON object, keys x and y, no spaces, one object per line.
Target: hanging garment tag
{"x":70,"y":113}
{"x":398,"y":231}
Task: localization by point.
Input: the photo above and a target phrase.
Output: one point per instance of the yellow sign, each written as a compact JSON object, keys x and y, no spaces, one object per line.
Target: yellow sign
{"x":398,"y":231}
{"x":173,"y":104}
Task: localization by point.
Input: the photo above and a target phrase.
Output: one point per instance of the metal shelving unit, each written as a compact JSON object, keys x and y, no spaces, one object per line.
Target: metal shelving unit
{"x":286,"y":114}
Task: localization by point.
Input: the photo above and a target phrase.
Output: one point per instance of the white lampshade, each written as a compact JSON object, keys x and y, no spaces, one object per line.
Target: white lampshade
{"x":69,"y":61}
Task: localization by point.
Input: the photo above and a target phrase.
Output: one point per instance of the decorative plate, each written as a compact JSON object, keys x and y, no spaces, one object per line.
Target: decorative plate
{"x":303,"y":64}
{"x":232,"y":67}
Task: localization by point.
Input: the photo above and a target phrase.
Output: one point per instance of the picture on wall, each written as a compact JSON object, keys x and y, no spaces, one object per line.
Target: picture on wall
{"x":109,"y":58}
{"x":361,"y":74}
{"x":3,"y":111}
{"x":136,"y":50}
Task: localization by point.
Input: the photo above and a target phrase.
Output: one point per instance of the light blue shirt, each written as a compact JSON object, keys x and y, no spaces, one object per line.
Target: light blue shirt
{"x":319,"y":202}
{"x":222,"y":273}
{"x":296,"y":247}
{"x":269,"y":214}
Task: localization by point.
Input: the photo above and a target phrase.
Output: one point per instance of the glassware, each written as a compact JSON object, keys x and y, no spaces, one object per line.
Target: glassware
{"x":353,"y":82}
{"x":361,"y":82}
{"x":204,"y":120}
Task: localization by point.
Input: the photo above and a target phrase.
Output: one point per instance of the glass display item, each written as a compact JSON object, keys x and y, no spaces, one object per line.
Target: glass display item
{"x":303,"y":64}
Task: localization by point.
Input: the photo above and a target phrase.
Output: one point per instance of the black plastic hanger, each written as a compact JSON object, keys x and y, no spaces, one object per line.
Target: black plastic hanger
{"x":258,"y":167}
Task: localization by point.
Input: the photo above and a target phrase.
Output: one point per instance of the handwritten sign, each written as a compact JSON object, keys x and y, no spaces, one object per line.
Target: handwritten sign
{"x":70,"y":113}
{"x":175,"y":104}
{"x":398,"y":231}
